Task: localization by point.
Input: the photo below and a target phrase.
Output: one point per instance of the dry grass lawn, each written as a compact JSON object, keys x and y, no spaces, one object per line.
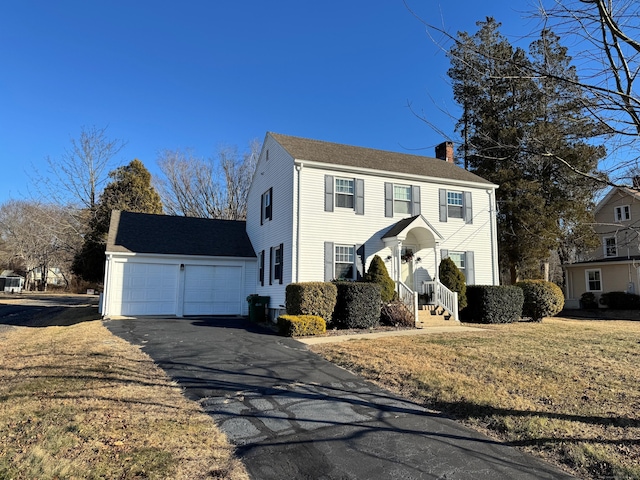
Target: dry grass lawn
{"x":79,"y":403}
{"x":566,"y":390}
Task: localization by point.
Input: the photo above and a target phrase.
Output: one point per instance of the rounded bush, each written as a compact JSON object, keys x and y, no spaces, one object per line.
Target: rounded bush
{"x":311,"y":298}
{"x":541,"y":299}
{"x":378,"y":273}
{"x":452,"y":278}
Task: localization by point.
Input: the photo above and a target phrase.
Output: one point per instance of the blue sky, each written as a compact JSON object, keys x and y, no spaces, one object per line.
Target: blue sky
{"x":202,"y":74}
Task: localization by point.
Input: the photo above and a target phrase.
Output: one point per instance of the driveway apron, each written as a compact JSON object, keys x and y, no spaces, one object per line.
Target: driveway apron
{"x":292,"y":414}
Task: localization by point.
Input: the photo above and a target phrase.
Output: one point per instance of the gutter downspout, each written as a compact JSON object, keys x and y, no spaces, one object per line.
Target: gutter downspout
{"x":299,"y":170}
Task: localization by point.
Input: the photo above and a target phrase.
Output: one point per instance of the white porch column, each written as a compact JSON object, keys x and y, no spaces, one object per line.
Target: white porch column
{"x":399,"y":263}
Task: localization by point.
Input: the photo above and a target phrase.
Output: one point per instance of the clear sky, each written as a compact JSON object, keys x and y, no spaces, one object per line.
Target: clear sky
{"x":201,"y":74}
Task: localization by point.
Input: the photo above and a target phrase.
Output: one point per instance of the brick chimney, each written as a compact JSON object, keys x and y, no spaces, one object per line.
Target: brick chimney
{"x":444,"y":151}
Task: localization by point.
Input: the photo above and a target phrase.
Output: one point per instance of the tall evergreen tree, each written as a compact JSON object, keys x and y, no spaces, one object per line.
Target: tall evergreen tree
{"x":512,"y":117}
{"x":130,"y":189}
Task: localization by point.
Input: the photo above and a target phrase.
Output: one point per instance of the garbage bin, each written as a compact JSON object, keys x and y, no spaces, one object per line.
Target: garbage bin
{"x":258,"y":307}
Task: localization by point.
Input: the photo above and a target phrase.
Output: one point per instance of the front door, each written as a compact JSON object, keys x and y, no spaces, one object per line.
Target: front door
{"x":407,"y":265}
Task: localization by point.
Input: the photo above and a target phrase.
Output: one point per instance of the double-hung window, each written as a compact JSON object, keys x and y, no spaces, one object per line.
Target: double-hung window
{"x":454,"y":204}
{"x":344,"y":192}
{"x":402,"y":199}
{"x":276,"y":264}
{"x":610,"y":247}
{"x":622,"y":214}
{"x":266,"y":210}
{"x":459,"y":258}
{"x":344,"y":258}
{"x":594,"y":280}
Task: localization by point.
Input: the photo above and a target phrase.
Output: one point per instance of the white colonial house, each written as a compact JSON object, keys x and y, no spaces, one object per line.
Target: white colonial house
{"x":316,"y":211}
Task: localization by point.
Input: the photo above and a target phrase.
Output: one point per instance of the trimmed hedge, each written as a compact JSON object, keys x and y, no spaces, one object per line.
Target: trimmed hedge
{"x":301,"y":325}
{"x":378,"y":274}
{"x":493,"y":304}
{"x":541,"y":299}
{"x":620,"y":300}
{"x":311,"y":298}
{"x":358,"y":305}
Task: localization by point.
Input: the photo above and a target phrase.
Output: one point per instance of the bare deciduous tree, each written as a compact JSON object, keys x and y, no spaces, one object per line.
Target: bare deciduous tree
{"x":208,"y":188}
{"x":38,"y":237}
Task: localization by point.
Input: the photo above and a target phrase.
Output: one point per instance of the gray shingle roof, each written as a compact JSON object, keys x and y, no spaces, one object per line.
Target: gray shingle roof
{"x":338,"y":154}
{"x":165,"y":234}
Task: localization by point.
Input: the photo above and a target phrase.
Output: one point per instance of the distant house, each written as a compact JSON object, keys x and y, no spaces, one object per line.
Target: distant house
{"x":317,"y":211}
{"x":614,"y":265}
{"x":11,"y":282}
{"x":54,"y":277}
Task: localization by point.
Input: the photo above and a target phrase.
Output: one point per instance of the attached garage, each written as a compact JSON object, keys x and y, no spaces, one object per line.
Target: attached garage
{"x":178,"y":266}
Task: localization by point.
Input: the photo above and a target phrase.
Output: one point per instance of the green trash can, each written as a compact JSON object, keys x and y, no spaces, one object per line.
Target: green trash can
{"x":258,"y":307}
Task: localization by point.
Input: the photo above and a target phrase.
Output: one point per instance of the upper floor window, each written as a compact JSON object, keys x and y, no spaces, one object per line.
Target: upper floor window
{"x":622,"y":213}
{"x":344,"y":192}
{"x":610,"y":247}
{"x":344,"y":258}
{"x":454,"y":204}
{"x":266,"y":206}
{"x":402,"y":199}
{"x":594,"y":280}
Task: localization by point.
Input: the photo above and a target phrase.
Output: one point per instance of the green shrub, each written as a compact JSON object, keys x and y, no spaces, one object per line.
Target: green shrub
{"x":493,"y":304}
{"x":397,"y":314}
{"x":358,"y":305}
{"x":541,"y":299}
{"x":378,"y":273}
{"x":588,"y":300}
{"x":311,"y":298}
{"x":452,"y":278}
{"x":620,"y":300}
{"x":301,"y":325}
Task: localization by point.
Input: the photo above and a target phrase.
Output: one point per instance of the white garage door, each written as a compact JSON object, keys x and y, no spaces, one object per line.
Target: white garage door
{"x":144,"y":288}
{"x":212,"y":290}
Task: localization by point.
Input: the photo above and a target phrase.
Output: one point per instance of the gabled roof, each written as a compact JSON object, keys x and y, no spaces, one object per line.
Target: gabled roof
{"x":164,"y":234}
{"x":403,"y":226}
{"x":361,"y":157}
{"x":623,"y":191}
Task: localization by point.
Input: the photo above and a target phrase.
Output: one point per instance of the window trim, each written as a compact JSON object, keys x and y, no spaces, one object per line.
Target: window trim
{"x":459,"y":207}
{"x":622,"y":209}
{"x":462,"y":256}
{"x":352,"y":263}
{"x":277,"y":271}
{"x":586,"y":277}
{"x":606,"y":247}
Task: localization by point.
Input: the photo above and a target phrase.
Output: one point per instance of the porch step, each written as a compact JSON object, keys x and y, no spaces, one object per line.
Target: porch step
{"x":430,"y":316}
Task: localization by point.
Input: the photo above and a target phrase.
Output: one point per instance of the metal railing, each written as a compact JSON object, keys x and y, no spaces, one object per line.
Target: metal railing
{"x":441,"y":296}
{"x":409,"y":298}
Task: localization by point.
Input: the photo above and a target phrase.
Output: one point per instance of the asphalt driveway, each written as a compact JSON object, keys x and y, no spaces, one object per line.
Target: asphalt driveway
{"x":294,"y":415}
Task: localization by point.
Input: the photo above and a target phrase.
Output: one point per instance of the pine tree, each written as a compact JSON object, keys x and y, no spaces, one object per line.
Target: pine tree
{"x":130,"y":190}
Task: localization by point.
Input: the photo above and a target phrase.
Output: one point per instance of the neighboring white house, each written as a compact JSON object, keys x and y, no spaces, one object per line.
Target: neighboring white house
{"x":615,"y":265}
{"x":316,"y":211}
{"x":321,"y":211}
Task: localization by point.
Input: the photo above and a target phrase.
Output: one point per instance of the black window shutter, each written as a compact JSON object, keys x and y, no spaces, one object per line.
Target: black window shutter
{"x":262,"y":209}
{"x":270,"y":265}
{"x":270,"y":209}
{"x":262,"y":268}
{"x":281,"y":262}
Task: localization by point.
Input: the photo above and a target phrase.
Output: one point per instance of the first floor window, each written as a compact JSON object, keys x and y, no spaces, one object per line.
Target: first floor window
{"x":402,"y":199}
{"x":344,"y":192}
{"x":459,"y":258}
{"x":454,"y":204}
{"x":610,"y":247}
{"x":276,"y":264}
{"x":344,"y":257}
{"x":594,"y":281}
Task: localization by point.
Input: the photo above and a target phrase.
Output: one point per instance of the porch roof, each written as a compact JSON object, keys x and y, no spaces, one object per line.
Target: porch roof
{"x":401,"y":228}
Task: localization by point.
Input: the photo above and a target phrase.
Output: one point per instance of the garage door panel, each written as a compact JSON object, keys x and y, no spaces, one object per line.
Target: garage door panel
{"x":212,"y":290}
{"x":149,"y":289}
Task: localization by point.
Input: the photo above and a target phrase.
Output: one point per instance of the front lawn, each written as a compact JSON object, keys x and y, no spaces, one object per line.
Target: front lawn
{"x":566,"y":390}
{"x":77,"y":402}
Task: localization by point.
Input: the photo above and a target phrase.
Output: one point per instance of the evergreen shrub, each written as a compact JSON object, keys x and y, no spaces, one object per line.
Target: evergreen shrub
{"x":301,"y":325}
{"x":378,"y":273}
{"x":620,"y":300}
{"x":493,"y":304}
{"x":311,"y":298}
{"x":452,"y":278}
{"x":541,"y":299}
{"x":358,"y":305}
